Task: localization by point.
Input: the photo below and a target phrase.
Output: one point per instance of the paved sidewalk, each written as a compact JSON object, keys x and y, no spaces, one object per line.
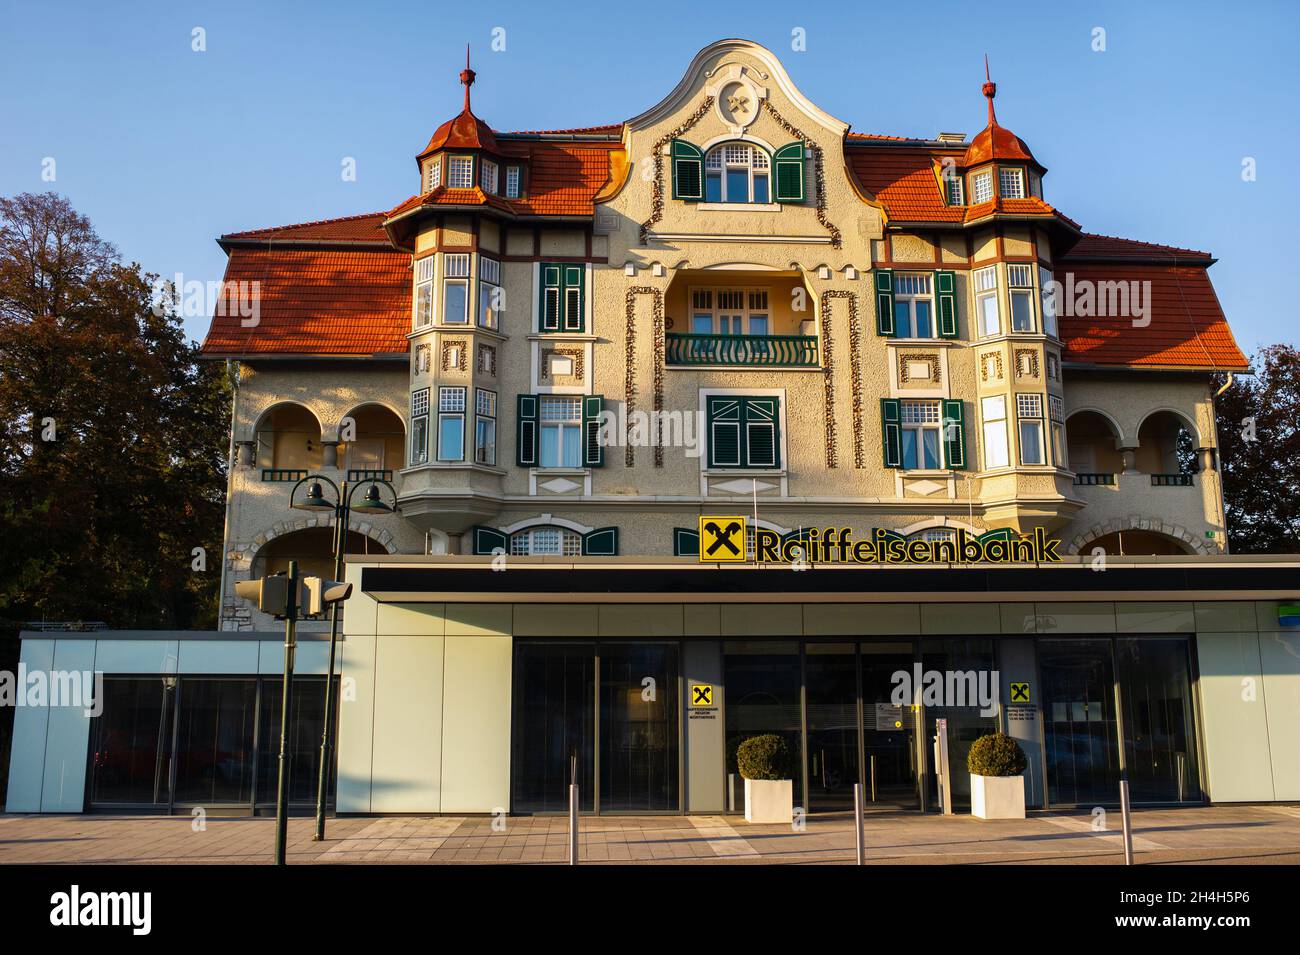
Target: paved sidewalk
{"x":1235,"y":834}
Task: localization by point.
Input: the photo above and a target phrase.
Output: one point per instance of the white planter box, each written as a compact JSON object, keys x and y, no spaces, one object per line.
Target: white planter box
{"x":997,"y":797}
{"x":769,"y":800}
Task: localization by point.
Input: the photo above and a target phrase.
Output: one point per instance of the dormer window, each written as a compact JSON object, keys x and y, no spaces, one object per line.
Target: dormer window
{"x":1011,"y":182}
{"x":981,"y":187}
{"x":956,"y":195}
{"x":433,"y":174}
{"x":488,"y":179}
{"x":460,"y":172}
{"x":512,"y":182}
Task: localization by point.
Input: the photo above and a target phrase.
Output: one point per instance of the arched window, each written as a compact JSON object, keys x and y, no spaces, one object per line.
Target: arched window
{"x":737,"y":172}
{"x":546,"y":541}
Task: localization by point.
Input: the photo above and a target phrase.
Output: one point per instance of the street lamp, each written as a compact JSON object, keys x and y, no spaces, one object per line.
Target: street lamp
{"x":341,"y":505}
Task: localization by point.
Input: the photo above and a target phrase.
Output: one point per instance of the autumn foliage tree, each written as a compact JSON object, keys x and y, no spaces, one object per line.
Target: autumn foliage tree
{"x":1259,"y":454}
{"x":114,"y":444}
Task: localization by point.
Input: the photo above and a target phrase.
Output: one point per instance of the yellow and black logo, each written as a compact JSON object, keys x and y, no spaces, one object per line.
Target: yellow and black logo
{"x":701,"y":694}
{"x":1019,"y":692}
{"x":722,"y":539}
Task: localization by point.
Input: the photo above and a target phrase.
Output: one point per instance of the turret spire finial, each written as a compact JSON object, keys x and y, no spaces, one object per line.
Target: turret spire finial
{"x":990,"y":90}
{"x":467,"y":77}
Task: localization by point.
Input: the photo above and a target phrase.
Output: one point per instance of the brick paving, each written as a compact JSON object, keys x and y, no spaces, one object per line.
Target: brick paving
{"x":1220,"y":834}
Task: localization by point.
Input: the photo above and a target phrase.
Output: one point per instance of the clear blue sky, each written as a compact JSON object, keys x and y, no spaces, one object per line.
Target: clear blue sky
{"x":165,"y":148}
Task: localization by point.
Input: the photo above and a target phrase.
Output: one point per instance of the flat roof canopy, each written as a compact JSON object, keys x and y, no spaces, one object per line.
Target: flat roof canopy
{"x":566,"y":580}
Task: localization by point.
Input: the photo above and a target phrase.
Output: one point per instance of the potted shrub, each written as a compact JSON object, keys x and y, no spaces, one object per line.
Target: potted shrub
{"x":997,"y":788}
{"x":764,"y":762}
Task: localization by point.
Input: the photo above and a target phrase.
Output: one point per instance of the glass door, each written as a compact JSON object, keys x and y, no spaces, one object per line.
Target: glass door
{"x":891,"y":778}
{"x":1079,"y":721}
{"x":131,"y":748}
{"x":1159,"y":728}
{"x":764,"y":695}
{"x":639,"y":727}
{"x":554,"y":724}
{"x":972,"y":658}
{"x":831,"y":681}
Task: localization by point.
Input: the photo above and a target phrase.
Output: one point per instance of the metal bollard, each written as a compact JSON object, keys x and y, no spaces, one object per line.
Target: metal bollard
{"x":858,"y":839}
{"x":873,"y":777}
{"x":573,"y":824}
{"x":1182,"y":773}
{"x":1125,"y":809}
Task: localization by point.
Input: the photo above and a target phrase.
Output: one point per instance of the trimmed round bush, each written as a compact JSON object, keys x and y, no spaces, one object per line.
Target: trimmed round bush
{"x":996,"y":755}
{"x":763,"y":757}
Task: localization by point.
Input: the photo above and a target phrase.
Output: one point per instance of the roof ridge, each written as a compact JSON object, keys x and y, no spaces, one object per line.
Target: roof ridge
{"x":302,"y":225}
{"x":1154,"y":245}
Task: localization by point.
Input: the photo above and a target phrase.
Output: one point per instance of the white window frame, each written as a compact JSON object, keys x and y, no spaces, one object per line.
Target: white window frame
{"x":514,"y":179}
{"x":1013,"y":176}
{"x":455,"y":271}
{"x":451,"y":410}
{"x":1029,"y":415}
{"x":985,"y":282}
{"x":932,"y":420}
{"x":981,"y":187}
{"x":433,"y":173}
{"x":910,"y":288}
{"x":757,"y":163}
{"x":745,"y":312}
{"x":485,"y":426}
{"x":418,"y":452}
{"x":422,"y":304}
{"x":460,"y":172}
{"x":1048,"y":303}
{"x":488,"y":176}
{"x":997,"y":451}
{"x":489,"y":271}
{"x":1056,"y":420}
{"x":1020,"y":286}
{"x":955,"y":191}
{"x":563,"y":428}
{"x":524,"y":543}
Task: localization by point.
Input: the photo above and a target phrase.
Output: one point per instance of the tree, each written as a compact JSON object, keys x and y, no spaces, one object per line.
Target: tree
{"x":1259,"y":454}
{"x":114,"y":445}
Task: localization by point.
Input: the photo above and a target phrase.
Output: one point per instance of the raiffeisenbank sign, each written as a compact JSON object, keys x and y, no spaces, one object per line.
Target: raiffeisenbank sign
{"x":723,"y":539}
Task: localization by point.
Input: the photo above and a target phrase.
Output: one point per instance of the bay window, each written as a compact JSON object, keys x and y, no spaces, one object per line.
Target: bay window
{"x":996,"y":451}
{"x":451,"y":424}
{"x":485,"y":426}
{"x":419,"y":426}
{"x":490,"y":295}
{"x":455,"y":289}
{"x":1020,"y":284}
{"x":1048,"y":292}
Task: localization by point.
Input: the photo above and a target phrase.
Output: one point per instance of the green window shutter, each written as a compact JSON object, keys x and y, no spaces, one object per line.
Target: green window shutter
{"x":891,"y":431}
{"x":954,"y":434}
{"x":686,"y":542}
{"x":688,"y":171}
{"x":593,"y":453}
{"x":723,"y":413}
{"x":602,"y":542}
{"x":487,"y":539}
{"x":526,"y":431}
{"x":762,"y":438}
{"x":573,"y":319}
{"x":945,"y":284}
{"x":552,"y":297}
{"x":884,"y":301}
{"x":788,"y":169}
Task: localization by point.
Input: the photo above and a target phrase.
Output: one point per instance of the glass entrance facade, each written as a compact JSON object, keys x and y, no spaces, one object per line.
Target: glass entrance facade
{"x":604,"y":711}
{"x":610,"y":714}
{"x":168,"y":742}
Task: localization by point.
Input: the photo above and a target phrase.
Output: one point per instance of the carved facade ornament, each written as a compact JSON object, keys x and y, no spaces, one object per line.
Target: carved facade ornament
{"x":629,"y":373}
{"x":855,"y":376}
{"x":1026,"y":363}
{"x":991,"y":366}
{"x":454,"y":356}
{"x":577,"y":355}
{"x":420,"y":365}
{"x":819,"y":173}
{"x":929,"y":359}
{"x":657,"y":191}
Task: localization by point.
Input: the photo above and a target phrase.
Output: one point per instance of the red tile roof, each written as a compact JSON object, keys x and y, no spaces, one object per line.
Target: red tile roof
{"x":367,"y":227}
{"x":1186,"y":327}
{"x":317,"y":301}
{"x":1107,"y":247}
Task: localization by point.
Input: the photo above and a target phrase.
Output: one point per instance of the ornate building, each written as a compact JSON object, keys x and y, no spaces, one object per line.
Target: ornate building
{"x":764,"y":310}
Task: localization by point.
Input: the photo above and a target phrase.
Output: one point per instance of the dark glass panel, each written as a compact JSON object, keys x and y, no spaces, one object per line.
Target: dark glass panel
{"x":131,"y":742}
{"x":639,"y":727}
{"x":214,"y":740}
{"x":954,"y":657}
{"x":1079,"y":721}
{"x":306,"y":722}
{"x":889,"y":736}
{"x":762,"y":681}
{"x":554,"y":720}
{"x":832,"y":693}
{"x":1159,"y":728}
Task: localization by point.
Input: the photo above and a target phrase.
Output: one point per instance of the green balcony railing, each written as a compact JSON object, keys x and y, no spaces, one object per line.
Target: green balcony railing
{"x":283,"y":474}
{"x":1171,"y":480}
{"x":367,"y":474}
{"x":1094,"y":478}
{"x":766,"y":351}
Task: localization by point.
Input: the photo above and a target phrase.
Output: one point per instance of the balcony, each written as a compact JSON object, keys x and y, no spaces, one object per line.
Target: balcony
{"x":1094,"y":479}
{"x":754,"y":351}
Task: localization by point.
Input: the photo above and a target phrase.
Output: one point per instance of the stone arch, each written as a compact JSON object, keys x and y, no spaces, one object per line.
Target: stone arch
{"x":275,"y":406}
{"x":1114,"y":423}
{"x":1182,"y":416}
{"x":1083,"y":542}
{"x":241,"y":557}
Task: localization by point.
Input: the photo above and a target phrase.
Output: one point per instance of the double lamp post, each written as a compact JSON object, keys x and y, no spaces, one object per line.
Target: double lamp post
{"x":341,"y":505}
